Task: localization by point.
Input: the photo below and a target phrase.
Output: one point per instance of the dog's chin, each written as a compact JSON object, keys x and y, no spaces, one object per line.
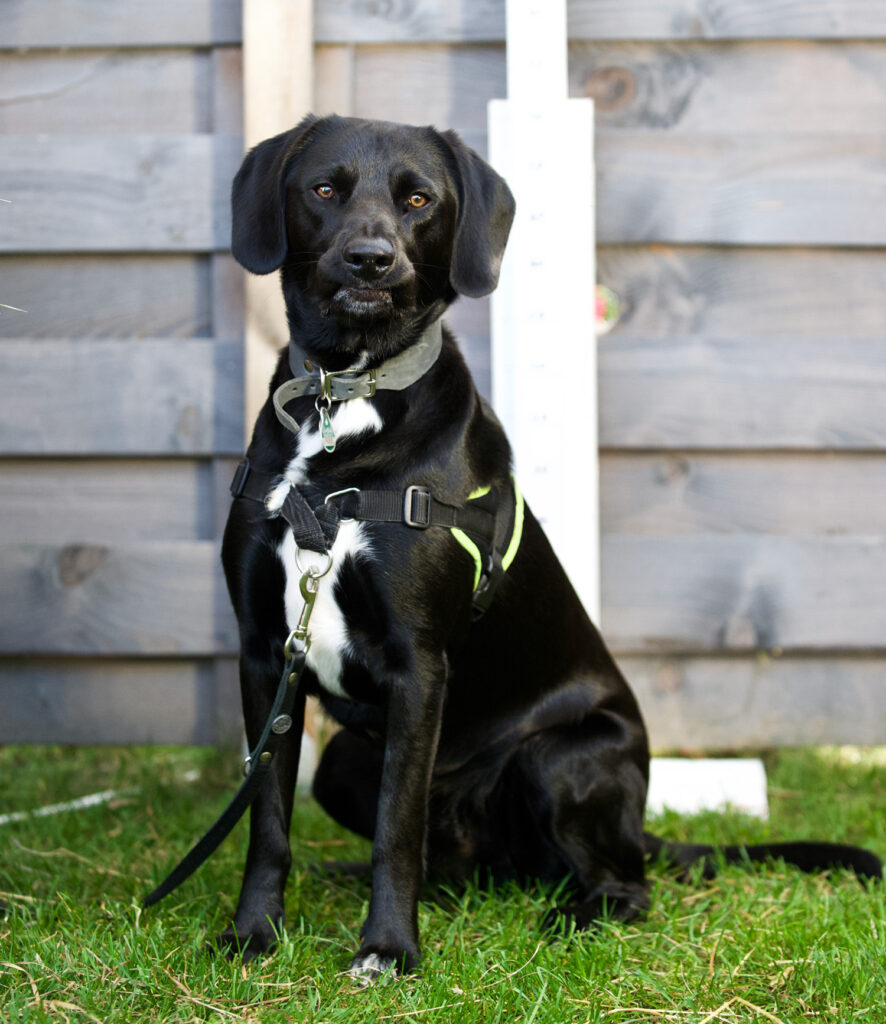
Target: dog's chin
{"x":362,"y":304}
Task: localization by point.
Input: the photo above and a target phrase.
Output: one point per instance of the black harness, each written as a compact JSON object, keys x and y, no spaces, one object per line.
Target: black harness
{"x":487,"y":520}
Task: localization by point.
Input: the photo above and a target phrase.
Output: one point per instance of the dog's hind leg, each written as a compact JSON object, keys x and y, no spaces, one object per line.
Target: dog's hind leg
{"x":259,"y":916}
{"x":585,"y":798}
{"x":348,"y":780}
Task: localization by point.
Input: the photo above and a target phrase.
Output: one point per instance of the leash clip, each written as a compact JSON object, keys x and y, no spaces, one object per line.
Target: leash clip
{"x":308,"y":586}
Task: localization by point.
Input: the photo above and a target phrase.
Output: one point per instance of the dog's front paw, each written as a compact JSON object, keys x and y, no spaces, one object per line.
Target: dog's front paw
{"x":248,"y":942}
{"x":368,"y":967}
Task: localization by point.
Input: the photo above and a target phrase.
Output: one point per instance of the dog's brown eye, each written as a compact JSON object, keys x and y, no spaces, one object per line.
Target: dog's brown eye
{"x":324,"y":191}
{"x":417,"y":200}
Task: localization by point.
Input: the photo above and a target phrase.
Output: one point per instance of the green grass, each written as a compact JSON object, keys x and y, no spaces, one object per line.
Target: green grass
{"x":753,"y":945}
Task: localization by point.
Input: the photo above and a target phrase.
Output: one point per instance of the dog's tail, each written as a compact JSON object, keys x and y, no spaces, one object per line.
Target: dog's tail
{"x":812,"y":857}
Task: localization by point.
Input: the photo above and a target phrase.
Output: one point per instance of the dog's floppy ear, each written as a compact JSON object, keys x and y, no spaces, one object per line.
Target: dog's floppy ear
{"x":485,"y":212}
{"x":258,"y":199}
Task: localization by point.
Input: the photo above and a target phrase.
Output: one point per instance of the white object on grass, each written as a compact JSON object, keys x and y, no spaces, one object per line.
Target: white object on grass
{"x":690,"y":785}
{"x":81,"y":803}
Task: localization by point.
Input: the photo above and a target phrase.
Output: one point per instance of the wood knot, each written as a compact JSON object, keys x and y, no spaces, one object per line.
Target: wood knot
{"x":668,"y":681}
{"x":77,"y":562}
{"x":672,"y":470}
{"x":190,"y":422}
{"x":611,"y":88}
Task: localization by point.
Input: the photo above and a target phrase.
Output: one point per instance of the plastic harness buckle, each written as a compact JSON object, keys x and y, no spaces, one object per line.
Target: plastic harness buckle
{"x":417,"y":507}
{"x":240,"y":477}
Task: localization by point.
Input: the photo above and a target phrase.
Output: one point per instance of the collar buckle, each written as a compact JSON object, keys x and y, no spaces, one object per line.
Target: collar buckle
{"x":342,"y":385}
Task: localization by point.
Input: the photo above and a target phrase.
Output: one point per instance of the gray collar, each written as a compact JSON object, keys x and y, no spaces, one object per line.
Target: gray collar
{"x":394,"y":374}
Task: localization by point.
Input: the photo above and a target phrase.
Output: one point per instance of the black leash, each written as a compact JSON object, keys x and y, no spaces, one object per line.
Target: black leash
{"x":286,"y":711}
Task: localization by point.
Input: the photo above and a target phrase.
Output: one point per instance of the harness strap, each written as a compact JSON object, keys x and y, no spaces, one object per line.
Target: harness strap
{"x":288,"y":708}
{"x":314,"y":529}
{"x":489,"y":528}
{"x":414,"y":506}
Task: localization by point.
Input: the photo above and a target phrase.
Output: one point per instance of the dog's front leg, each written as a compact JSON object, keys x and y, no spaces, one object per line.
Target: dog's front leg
{"x":259,"y":915}
{"x":390,"y":933}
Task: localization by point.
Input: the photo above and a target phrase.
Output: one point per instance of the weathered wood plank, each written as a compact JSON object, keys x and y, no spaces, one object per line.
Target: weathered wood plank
{"x":163,"y":193}
{"x":115,"y":398}
{"x":758,"y":702}
{"x":777,"y":494}
{"x":54,"y":23}
{"x":115,"y":701}
{"x":442,"y":85}
{"x":91,"y":501}
{"x":123,"y":296}
{"x":227,"y":298}
{"x":672,"y":165}
{"x":735,"y":88}
{"x":668,"y":291}
{"x":752,"y":19}
{"x":660,"y":594}
{"x":743,"y":592}
{"x":689,"y":704}
{"x":93,"y":23}
{"x":227,"y":90}
{"x":334,"y":84}
{"x":751,"y":393}
{"x":140,"y":599}
{"x":402,"y":21}
{"x":409,"y":21}
{"x":164,"y":91}
{"x":746,"y":190}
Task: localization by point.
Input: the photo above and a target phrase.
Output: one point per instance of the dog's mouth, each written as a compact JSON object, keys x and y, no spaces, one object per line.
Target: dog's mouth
{"x":359,"y":303}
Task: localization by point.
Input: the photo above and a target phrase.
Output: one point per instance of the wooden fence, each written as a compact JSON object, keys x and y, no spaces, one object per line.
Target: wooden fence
{"x":121,"y":397}
{"x":741,"y":161}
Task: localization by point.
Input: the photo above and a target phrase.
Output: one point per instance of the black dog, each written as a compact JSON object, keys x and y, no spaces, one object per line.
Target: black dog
{"x":487,"y":726}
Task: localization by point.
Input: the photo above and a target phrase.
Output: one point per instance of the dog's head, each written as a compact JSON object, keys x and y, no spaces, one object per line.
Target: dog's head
{"x":374,"y":224}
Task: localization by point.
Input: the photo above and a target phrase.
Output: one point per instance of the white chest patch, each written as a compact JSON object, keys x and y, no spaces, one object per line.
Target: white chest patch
{"x":327,"y":628}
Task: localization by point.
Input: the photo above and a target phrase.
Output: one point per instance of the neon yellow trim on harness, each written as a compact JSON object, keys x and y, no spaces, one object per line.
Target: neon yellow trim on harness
{"x":516,"y":536}
{"x":472,"y":550}
{"x":479,"y":493}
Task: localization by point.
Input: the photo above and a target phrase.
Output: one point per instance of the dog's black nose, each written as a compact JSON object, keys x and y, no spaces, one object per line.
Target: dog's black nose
{"x":369,"y":258}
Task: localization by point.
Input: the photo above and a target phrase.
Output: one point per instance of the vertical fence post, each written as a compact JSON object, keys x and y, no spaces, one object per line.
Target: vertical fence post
{"x":278,"y":87}
{"x":544,"y":361}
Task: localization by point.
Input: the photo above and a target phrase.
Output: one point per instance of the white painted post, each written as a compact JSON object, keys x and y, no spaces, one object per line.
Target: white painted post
{"x":544,"y":361}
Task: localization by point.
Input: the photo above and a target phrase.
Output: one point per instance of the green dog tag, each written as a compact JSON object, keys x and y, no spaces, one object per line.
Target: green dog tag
{"x":327,"y":432}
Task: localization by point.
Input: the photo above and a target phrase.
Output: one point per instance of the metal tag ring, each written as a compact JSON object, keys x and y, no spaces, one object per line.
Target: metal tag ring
{"x":314,"y":571}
